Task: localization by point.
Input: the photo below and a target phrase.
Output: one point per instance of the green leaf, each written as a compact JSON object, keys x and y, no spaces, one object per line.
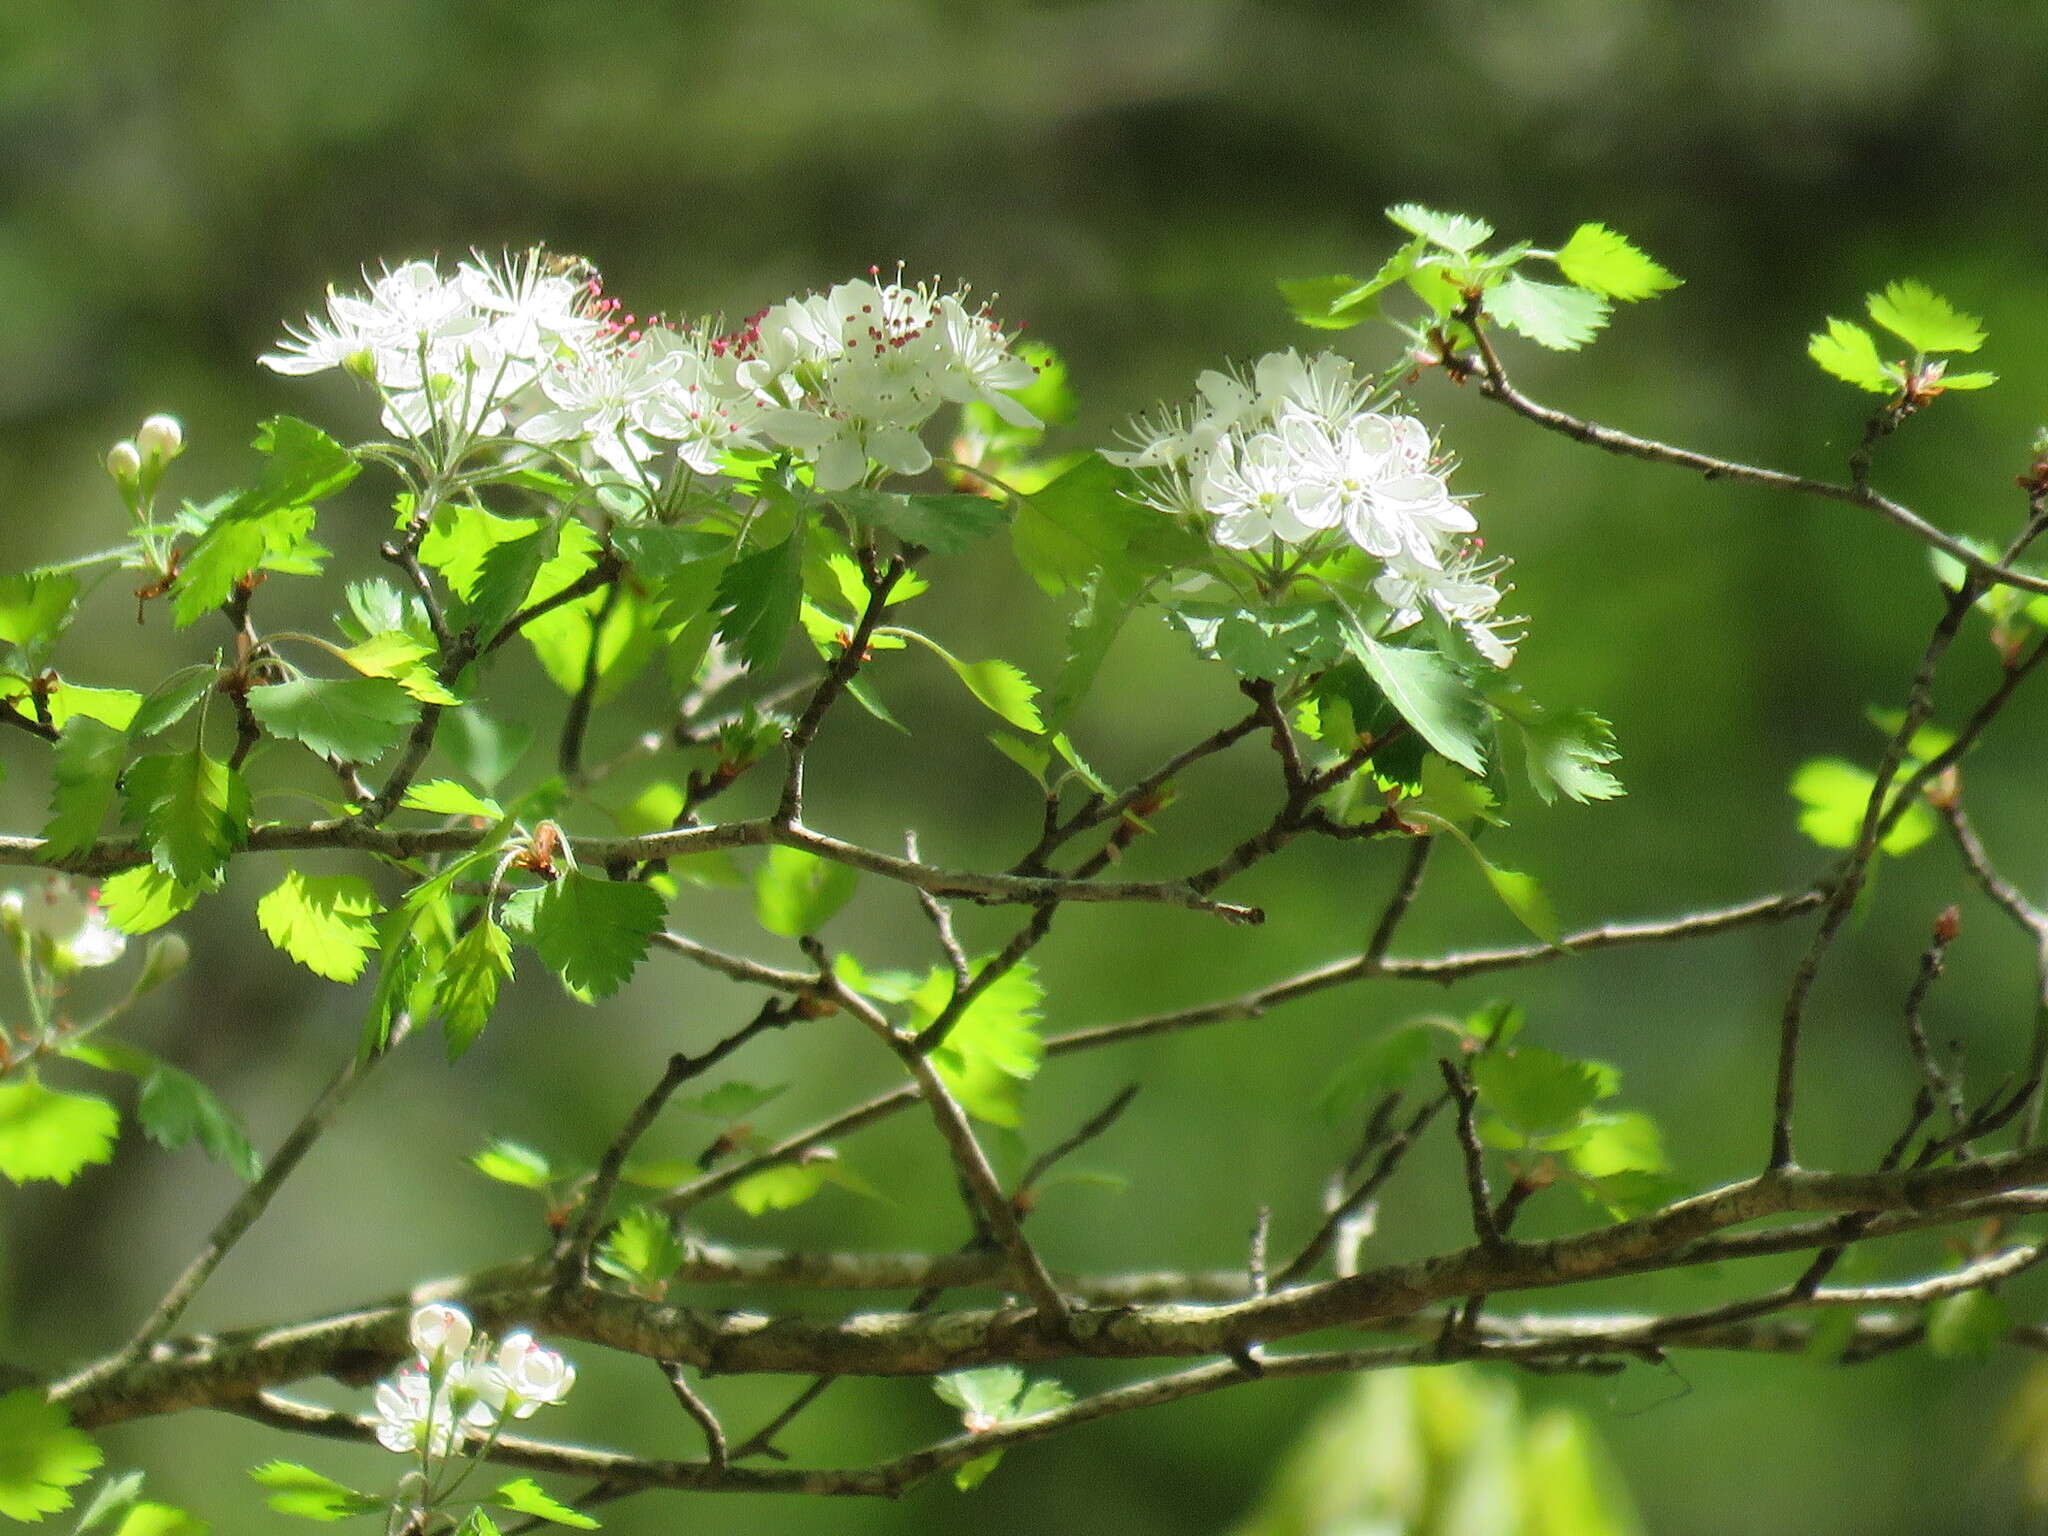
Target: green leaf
{"x":732,"y":1100}
{"x":526,"y":1497}
{"x":1522,"y":895}
{"x":305,"y":464}
{"x":779,"y":1188}
{"x":312,"y":1495}
{"x":505,"y":574}
{"x":175,"y":1109}
{"x":993,"y":1048}
{"x":985,"y":1394}
{"x":233,"y":547}
{"x":477,"y":1523}
{"x":1429,"y":693}
{"x":41,"y":1456}
{"x":84,"y":769}
{"x":1380,"y":1067}
{"x":1848,"y":351}
{"x":445,"y":797}
{"x":145,"y":898}
{"x":945,"y":525}
{"x":1835,"y":795}
{"x":1089,"y":520}
{"x":193,"y":810}
{"x":1000,"y":686}
{"x":1455,"y":232}
{"x":35,"y":607}
{"x":1968,"y":1326}
{"x":1565,"y":753}
{"x":470,"y":977}
{"x":110,"y":706}
{"x":1550,"y":314}
{"x":171,"y":700}
{"x":642,"y":1250}
{"x":1966,"y":380}
{"x":1328,"y":303}
{"x":1597,"y":258}
{"x":593,"y":933}
{"x":510,"y":1163}
{"x":1924,"y":320}
{"x":1625,"y":1142}
{"x":796,"y":892}
{"x":403,"y":658}
{"x":1538,"y":1092}
{"x":328,"y":923}
{"x":758,"y":598}
{"x":45,"y":1134}
{"x":353,"y":719}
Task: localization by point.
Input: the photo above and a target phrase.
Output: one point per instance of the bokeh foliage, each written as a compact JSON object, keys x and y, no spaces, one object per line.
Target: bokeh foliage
{"x":1132,"y":176}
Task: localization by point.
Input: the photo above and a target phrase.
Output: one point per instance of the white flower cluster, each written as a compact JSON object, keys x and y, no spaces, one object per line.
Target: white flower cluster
{"x":68,"y":917}
{"x":457,"y":1387}
{"x":531,"y":344}
{"x":1291,"y":453}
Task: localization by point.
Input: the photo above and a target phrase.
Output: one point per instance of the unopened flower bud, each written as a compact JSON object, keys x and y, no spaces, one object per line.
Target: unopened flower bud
{"x":362,"y":364}
{"x":161,"y":439}
{"x":167,"y":956}
{"x":124,"y":463}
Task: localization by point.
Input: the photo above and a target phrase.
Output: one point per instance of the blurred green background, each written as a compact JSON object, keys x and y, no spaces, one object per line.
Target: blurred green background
{"x":1131,"y":176}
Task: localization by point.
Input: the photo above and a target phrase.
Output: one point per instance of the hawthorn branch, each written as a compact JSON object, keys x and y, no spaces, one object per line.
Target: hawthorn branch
{"x":1495,"y":385}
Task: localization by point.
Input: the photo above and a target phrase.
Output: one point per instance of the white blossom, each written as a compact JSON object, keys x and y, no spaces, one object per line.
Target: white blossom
{"x":412,"y":1416}
{"x":70,"y":918}
{"x":440,"y":1333}
{"x":1465,"y":589}
{"x":527,"y":1377}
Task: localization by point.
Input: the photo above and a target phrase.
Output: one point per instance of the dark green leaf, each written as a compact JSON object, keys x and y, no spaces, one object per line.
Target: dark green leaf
{"x":353,"y":719}
{"x":84,"y":768}
{"x":171,"y":700}
{"x":758,"y":598}
{"x":176,"y":1109}
{"x":193,"y":810}
{"x":1430,"y":694}
{"x":592,"y":932}
{"x":945,"y":525}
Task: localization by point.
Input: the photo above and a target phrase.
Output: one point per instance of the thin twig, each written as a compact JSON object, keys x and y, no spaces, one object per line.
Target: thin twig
{"x":255,"y":1200}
